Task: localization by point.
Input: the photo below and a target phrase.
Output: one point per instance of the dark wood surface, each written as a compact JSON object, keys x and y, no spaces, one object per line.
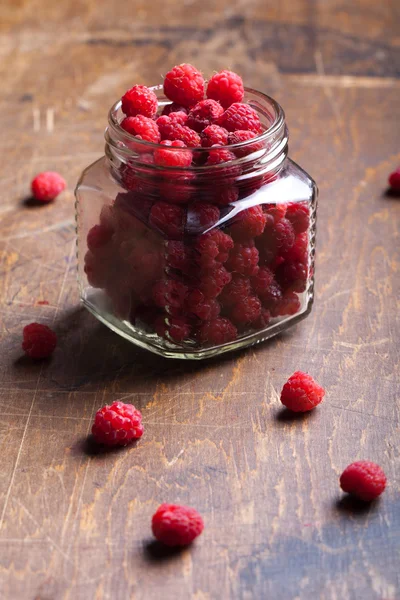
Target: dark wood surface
{"x":75,"y":524}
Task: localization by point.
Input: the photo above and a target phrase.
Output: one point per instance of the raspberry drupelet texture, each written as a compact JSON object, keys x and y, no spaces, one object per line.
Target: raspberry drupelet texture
{"x":175,"y":131}
{"x":203,"y":114}
{"x":139,"y":100}
{"x":172,"y":158}
{"x":170,"y":295}
{"x":117,"y":425}
{"x":201,"y":216}
{"x":175,"y":329}
{"x":39,"y":341}
{"x":299,"y":216}
{"x":172,"y":108}
{"x":235,"y":291}
{"x":213,"y":247}
{"x":166,"y":124}
{"x":167,"y":218}
{"x":47,"y":186}
{"x":184,"y":84}
{"x":262,"y":280}
{"x":213,"y":281}
{"x":226,"y":87}
{"x":176,"y":525}
{"x":394,"y":180}
{"x":363,"y":479}
{"x":217,"y":331}
{"x":178,"y":256}
{"x":301,"y":393}
{"x":202,"y":307}
{"x":240,"y":116}
{"x":246,"y":310}
{"x":243,"y":135}
{"x":250,"y":223}
{"x":214,"y":135}
{"x":243,"y":259}
{"x":142,"y":127}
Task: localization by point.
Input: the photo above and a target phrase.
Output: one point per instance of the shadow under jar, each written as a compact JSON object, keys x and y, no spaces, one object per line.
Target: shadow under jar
{"x":196,"y":260}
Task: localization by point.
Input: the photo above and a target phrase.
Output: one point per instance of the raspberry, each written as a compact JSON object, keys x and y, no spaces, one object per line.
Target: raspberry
{"x":178,"y":256}
{"x":169,"y":295}
{"x":166,"y":124}
{"x":201,"y":216}
{"x":225,"y":195}
{"x":139,"y":100}
{"x":299,"y":216}
{"x":243,"y":135}
{"x":250,"y":223}
{"x":301,"y":393}
{"x":263,"y":320}
{"x":173,"y":158}
{"x":214,"y":135}
{"x":226,"y":87}
{"x":261,"y":282}
{"x":98,"y":236}
{"x":277,"y":211}
{"x":175,"y":329}
{"x":284,"y":235}
{"x":202,"y":115}
{"x":170,"y":131}
{"x":218,"y":156}
{"x":177,"y":187}
{"x":394,"y":179}
{"x":167,"y":218}
{"x":289,"y":305}
{"x":272,"y":296}
{"x":117,"y":425}
{"x":212,"y":282}
{"x":184,"y":84}
{"x":246,"y":310}
{"x":176,"y":525}
{"x":202,"y":307}
{"x":95,"y":270}
{"x":142,"y":127}
{"x":235,"y":291}
{"x":277,"y":238}
{"x":364,"y":479}
{"x":243,"y":259}
{"x":172,"y":108}
{"x":217,"y":331}
{"x":299,"y":251}
{"x":211,"y":247}
{"x":240,"y":116}
{"x":39,"y":340}
{"x":47,"y":185}
{"x":293,"y":275}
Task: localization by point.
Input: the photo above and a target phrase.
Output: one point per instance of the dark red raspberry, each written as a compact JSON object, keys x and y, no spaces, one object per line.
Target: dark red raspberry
{"x":226,"y":87}
{"x":173,"y":158}
{"x":263,"y":320}
{"x":211,"y":247}
{"x":248,"y":224}
{"x":205,"y":113}
{"x":175,"y":329}
{"x":299,"y":216}
{"x":243,"y":135}
{"x":293,"y":275}
{"x":39,"y":340}
{"x":289,"y":305}
{"x":139,"y":100}
{"x":301,"y":393}
{"x":176,"y":525}
{"x":217,"y":331}
{"x":98,"y":236}
{"x":167,"y":218}
{"x":201,"y":306}
{"x":364,"y":479}
{"x":96,"y":270}
{"x":117,"y":425}
{"x":170,"y":295}
{"x":243,"y":259}
{"x":172,"y":108}
{"x":214,"y":135}
{"x":224,"y":195}
{"x":394,"y":180}
{"x":166,"y":124}
{"x":178,"y":256}
{"x":240,"y":116}
{"x":184,"y":84}
{"x":276,"y":240}
{"x":213,"y":281}
{"x":272,"y":296}
{"x":262,"y":280}
{"x":238,"y":289}
{"x":142,"y":127}
{"x":299,"y":251}
{"x":246,"y":310}
{"x":276,"y":211}
{"x":47,"y":185}
{"x":176,"y":187}
{"x":201,"y":217}
{"x":284,"y":235}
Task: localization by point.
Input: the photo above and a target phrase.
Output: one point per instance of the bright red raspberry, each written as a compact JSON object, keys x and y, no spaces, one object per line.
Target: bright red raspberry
{"x":167,"y":218}
{"x":301,"y":393}
{"x":142,"y":127}
{"x":184,"y":84}
{"x":178,"y":256}
{"x":117,"y":425}
{"x":243,"y":259}
{"x":139,"y":100}
{"x":238,"y":289}
{"x":226,"y":87}
{"x":39,"y":340}
{"x":293,"y":275}
{"x":173,"y":158}
{"x":288,"y":305}
{"x":262,"y":280}
{"x":175,"y":329}
{"x":243,"y":135}
{"x":47,"y":185}
{"x":216,"y":332}
{"x":213,"y":281}
{"x":211,"y":247}
{"x":170,"y":295}
{"x":240,"y":116}
{"x":263,"y":320}
{"x":98,"y":236}
{"x":249,"y":224}
{"x":201,"y":306}
{"x":205,"y":113}
{"x":364,"y":479}
{"x":214,"y":135}
{"x":167,"y":123}
{"x":276,"y":211}
{"x":173,"y":107}
{"x":176,"y":525}
{"x":299,"y":216}
{"x":246,"y":310}
{"x":394,"y":180}
{"x":180,"y":132}
{"x":201,"y":216}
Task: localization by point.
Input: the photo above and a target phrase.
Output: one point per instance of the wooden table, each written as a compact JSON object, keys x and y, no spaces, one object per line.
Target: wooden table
{"x":75,"y":524}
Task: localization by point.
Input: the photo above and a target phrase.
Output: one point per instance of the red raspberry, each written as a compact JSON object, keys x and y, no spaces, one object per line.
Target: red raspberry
{"x":277,"y":238}
{"x":261,"y":282}
{"x":301,"y":393}
{"x":214,"y":135}
{"x":246,"y":310}
{"x":293,"y":275}
{"x":226,"y":87}
{"x":166,"y":124}
{"x":250,"y":223}
{"x":47,"y":185}
{"x":299,"y":251}
{"x":299,"y":216}
{"x":216,"y":332}
{"x":240,"y":116}
{"x":173,"y":158}
{"x":213,"y":246}
{"x":39,"y":340}
{"x":201,"y":217}
{"x":96,"y":270}
{"x":176,"y":525}
{"x":225,"y":195}
{"x":142,"y":127}
{"x":180,"y":132}
{"x":289,"y":305}
{"x":178,"y":256}
{"x":170,"y":295}
{"x":98,"y":236}
{"x":184,"y":84}
{"x":117,"y":425}
{"x":212,"y":282}
{"x":202,"y":307}
{"x":284,"y":235}
{"x":272,"y":296}
{"x":263,"y":320}
{"x":364,"y":479}
{"x":175,"y":329}
{"x":177,"y":187}
{"x":205,"y":113}
{"x":276,"y":211}
{"x":217,"y":156}
{"x":243,"y":135}
{"x":172,"y":108}
{"x":243,"y":259}
{"x":394,"y":180}
{"x":139,"y":100}
{"x":167,"y":218}
{"x":238,"y":289}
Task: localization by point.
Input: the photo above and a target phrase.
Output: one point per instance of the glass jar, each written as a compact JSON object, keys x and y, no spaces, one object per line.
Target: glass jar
{"x":195,"y":260}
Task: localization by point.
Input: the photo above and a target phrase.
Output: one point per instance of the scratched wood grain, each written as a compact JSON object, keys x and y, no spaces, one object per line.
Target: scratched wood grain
{"x":74,"y":524}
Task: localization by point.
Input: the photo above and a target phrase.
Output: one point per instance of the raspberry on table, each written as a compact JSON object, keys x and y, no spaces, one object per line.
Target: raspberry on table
{"x":170,"y":295}
{"x":299,"y":216}
{"x":172,"y":108}
{"x":246,"y":310}
{"x":173,"y":158}
{"x":167,"y":218}
{"x":47,"y":186}
{"x":217,"y":331}
{"x":175,"y":329}
{"x":214,"y":135}
{"x":301,"y":393}
{"x":226,"y":87}
{"x":139,"y":100}
{"x":203,"y":114}
{"x":363,"y":479}
{"x":235,"y":291}
{"x":213,"y":281}
{"x":240,"y":116}
{"x":394,"y":180}
{"x":176,"y":525}
{"x":202,"y":307}
{"x":201,"y":216}
{"x":184,"y":84}
{"x":142,"y":128}
{"x":117,"y":425}
{"x":243,"y":259}
{"x":39,"y":341}
{"x":248,"y":224}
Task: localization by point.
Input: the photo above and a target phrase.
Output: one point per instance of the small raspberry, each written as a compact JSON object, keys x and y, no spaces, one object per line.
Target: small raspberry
{"x":205,"y":113}
{"x":301,"y":393}
{"x":214,"y":135}
{"x":262,"y":280}
{"x":173,"y":158}
{"x":202,"y":307}
{"x":225,"y":195}
{"x":176,"y":525}
{"x":364,"y":479}
{"x":176,"y":187}
{"x":226,"y":87}
{"x":216,"y":332}
{"x":142,"y":127}
{"x":139,"y":100}
{"x":299,"y":251}
{"x":47,"y":185}
{"x":166,"y":124}
{"x":98,"y":236}
{"x":248,"y":224}
{"x":213,"y":246}
{"x":271,"y":296}
{"x":293,"y":275}
{"x":39,"y":340}
{"x":299,"y":216}
{"x":263,"y":320}
{"x":201,"y":216}
{"x":277,"y":211}
{"x":117,"y":425}
{"x":167,"y":218}
{"x":246,"y":310}
{"x":289,"y":305}
{"x":184,"y":84}
{"x":394,"y":179}
{"x":180,"y":132}
{"x":172,"y":108}
{"x":243,"y":135}
{"x":238,"y":289}
{"x":175,"y":329}
{"x":243,"y":259}
{"x":213,"y":281}
{"x":240,"y":116}
{"x":284,"y":235}
{"x":178,"y":256}
{"x":170,"y":295}
{"x":218,"y":156}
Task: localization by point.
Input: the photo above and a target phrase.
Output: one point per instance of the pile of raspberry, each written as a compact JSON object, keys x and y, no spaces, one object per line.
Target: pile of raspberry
{"x":178,"y":252}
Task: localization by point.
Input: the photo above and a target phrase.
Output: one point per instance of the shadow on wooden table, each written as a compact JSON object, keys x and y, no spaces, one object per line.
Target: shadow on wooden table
{"x":155,"y":552}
